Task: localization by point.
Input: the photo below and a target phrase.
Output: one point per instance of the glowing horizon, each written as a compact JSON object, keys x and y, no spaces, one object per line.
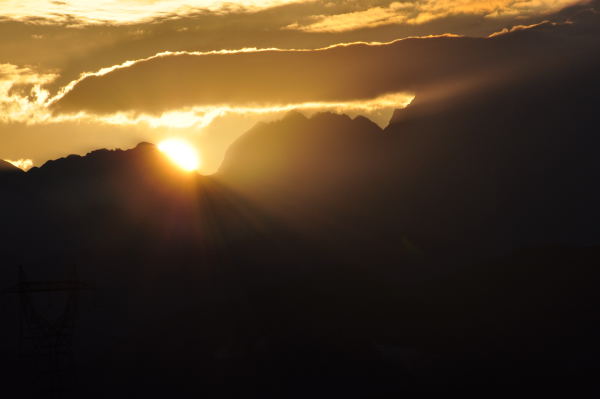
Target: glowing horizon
{"x":81,"y":75}
{"x":23,"y":164}
{"x":181,"y":153}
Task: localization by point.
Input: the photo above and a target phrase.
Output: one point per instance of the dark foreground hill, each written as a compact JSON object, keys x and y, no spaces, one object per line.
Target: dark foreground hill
{"x":198,"y":292}
{"x":423,"y":217}
{"x":174,"y":257}
{"x":203,"y":287}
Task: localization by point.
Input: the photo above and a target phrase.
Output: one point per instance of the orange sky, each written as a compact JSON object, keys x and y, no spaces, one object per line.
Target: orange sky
{"x":81,"y":75}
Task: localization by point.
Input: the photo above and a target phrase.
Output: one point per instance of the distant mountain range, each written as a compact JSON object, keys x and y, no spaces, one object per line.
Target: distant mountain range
{"x":327,"y":249}
{"x":474,"y":172}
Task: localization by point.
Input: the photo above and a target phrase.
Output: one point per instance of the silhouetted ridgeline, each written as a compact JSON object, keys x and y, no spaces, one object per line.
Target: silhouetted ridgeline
{"x":171,"y":255}
{"x":455,"y":249}
{"x":490,"y":170}
{"x":255,"y":284}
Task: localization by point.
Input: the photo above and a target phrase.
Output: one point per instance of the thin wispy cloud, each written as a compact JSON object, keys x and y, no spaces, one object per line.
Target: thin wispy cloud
{"x":122,"y":12}
{"x":419,"y":12}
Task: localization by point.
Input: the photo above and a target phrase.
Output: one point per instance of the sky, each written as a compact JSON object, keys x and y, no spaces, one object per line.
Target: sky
{"x":80,"y":75}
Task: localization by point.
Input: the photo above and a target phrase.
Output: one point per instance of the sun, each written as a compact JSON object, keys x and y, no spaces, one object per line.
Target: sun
{"x":181,"y":153}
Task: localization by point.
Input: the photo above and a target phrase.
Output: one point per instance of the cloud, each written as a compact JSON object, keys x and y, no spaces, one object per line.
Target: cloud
{"x":29,"y":128}
{"x":355,"y":72}
{"x":334,"y":16}
{"x":189,"y":88}
{"x":248,"y":79}
{"x":87,"y":47}
{"x":420,"y":12}
{"x":79,"y":13}
{"x":22,"y":97}
{"x":395,"y":13}
{"x":197,"y":94}
{"x":521,"y":27}
{"x":202,"y":116}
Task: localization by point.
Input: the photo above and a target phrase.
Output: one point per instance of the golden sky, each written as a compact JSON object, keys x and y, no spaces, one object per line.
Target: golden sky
{"x":81,"y":75}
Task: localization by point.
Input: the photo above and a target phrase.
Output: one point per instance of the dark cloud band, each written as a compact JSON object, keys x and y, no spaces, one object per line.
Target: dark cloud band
{"x":353,"y":72}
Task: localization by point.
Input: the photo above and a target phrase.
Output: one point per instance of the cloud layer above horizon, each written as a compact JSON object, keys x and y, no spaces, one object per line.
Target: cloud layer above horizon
{"x":323,"y":15}
{"x":164,"y":68}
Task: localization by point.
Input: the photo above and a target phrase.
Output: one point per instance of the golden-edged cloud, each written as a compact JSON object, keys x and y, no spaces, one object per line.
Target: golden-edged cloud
{"x":395,"y":13}
{"x":26,"y":101}
{"x":357,"y":73}
{"x":316,"y":16}
{"x":419,"y":12}
{"x":251,"y":80}
{"x":75,"y":13}
{"x":183,"y":88}
{"x":22,"y":97}
{"x":203,"y":116}
{"x":74,"y":37}
{"x":198,"y":91}
{"x":192,"y":88}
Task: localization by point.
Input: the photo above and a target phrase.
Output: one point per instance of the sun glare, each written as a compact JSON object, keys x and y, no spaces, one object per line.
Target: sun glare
{"x":181,"y":153}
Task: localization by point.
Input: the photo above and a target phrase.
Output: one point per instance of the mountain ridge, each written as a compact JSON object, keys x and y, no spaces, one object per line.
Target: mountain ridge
{"x":7,"y":167}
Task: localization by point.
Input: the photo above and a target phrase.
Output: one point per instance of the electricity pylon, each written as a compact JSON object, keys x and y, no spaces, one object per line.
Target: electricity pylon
{"x":45,"y":345}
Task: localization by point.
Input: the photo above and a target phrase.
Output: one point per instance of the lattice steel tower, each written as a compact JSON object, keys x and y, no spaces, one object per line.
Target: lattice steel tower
{"x":45,"y":345}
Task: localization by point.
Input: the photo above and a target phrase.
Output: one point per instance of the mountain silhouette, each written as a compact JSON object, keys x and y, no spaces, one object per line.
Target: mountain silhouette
{"x":487,"y":171}
{"x":453,"y":249}
{"x":185,"y":270}
{"x":201,"y":289}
